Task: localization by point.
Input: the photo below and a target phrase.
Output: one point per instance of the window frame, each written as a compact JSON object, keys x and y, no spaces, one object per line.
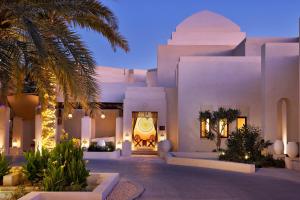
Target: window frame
{"x":201,"y":120}
{"x":227,"y":132}
{"x":246,"y":121}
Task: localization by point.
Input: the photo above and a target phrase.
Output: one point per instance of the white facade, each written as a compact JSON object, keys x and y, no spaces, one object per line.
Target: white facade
{"x":208,"y":63}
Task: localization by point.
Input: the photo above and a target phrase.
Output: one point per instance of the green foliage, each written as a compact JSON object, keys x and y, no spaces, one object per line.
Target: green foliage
{"x":215,"y":117}
{"x":109,"y":147}
{"x":246,"y":146}
{"x":269,"y":161}
{"x":54,"y":180}
{"x":66,"y":168}
{"x":4,"y":166}
{"x":36,"y":164}
{"x":38,"y":40}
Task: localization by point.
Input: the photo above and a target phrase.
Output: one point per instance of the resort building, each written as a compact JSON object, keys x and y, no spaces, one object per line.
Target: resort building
{"x":208,"y":62}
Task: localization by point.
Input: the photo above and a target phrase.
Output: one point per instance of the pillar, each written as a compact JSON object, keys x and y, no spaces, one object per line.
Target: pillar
{"x":38,"y":132}
{"x":17,"y":133}
{"x":284,"y":124}
{"x":119,"y":132}
{"x":4,"y":129}
{"x":86,"y":131}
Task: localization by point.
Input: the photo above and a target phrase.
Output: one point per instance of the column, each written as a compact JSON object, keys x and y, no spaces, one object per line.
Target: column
{"x":38,"y":132}
{"x":4,"y":129}
{"x":17,"y":134}
{"x":119,"y":132}
{"x":86,"y":131}
{"x":284,"y":124}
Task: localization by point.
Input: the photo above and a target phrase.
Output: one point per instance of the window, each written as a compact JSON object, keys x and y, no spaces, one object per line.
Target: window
{"x":223,"y":128}
{"x":204,"y":127}
{"x":240,"y":122}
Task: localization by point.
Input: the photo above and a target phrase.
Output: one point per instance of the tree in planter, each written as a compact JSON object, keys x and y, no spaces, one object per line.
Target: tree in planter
{"x":218,"y":122}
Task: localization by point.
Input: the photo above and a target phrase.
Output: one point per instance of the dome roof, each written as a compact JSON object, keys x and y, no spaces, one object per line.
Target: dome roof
{"x":207,"y":28}
{"x":208,"y":21}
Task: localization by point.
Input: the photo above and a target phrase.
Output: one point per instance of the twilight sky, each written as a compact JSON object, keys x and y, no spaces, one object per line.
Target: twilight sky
{"x":148,"y":23}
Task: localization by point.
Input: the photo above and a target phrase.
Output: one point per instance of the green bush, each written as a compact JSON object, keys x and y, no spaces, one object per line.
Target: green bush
{"x":66,"y":168}
{"x":245,"y":145}
{"x":36,"y":164}
{"x":269,"y":161}
{"x":4,"y":166}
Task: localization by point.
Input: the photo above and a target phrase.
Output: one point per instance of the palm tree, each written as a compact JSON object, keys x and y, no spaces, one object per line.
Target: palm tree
{"x":39,"y":45}
{"x":38,"y":42}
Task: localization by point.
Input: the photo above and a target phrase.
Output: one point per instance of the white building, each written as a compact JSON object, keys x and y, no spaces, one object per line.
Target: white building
{"x":208,"y":63}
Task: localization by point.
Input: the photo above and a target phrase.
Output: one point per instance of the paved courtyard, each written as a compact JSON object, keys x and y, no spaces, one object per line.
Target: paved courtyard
{"x":162,"y":181}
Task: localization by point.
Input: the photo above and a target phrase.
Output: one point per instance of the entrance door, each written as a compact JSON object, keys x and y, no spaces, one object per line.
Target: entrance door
{"x":144,"y":126}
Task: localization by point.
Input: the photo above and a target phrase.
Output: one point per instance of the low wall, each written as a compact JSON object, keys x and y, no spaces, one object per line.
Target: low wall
{"x":101,"y":155}
{"x":108,"y":182}
{"x":201,"y":155}
{"x":212,"y":164}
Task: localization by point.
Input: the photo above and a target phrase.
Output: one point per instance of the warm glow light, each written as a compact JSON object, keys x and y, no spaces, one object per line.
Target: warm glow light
{"x":162,"y":136}
{"x":241,"y":121}
{"x":246,"y":157}
{"x":204,"y":127}
{"x":102,"y":116}
{"x":127,"y":137}
{"x":119,"y":145}
{"x":15,"y":143}
{"x":70,"y":116}
{"x":85,"y":143}
{"x":2,"y":149}
{"x":49,"y":120}
{"x":223,"y":127}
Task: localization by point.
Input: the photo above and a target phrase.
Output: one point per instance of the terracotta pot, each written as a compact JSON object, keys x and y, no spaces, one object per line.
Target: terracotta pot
{"x":278,"y":147}
{"x":292,"y":149}
{"x":24,"y":105}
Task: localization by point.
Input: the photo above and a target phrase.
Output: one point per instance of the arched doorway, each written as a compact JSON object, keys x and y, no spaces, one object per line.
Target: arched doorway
{"x":144,"y":131}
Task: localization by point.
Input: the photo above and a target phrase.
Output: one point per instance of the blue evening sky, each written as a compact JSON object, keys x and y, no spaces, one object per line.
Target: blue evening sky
{"x":148,"y":23}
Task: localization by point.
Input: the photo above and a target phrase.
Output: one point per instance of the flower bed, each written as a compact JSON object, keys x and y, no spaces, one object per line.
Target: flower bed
{"x":102,"y":184}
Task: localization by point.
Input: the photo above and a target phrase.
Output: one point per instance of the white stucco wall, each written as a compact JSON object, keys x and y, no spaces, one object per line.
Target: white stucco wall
{"x":147,"y":99}
{"x":172,"y":117}
{"x":106,"y":127}
{"x":168,"y":57}
{"x":280,"y":72}
{"x":211,"y":82}
{"x":73,"y":126}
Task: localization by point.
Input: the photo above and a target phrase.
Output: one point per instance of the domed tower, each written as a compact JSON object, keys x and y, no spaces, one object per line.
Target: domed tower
{"x":207,"y":28}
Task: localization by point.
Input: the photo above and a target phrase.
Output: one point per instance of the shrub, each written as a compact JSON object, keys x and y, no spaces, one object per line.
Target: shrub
{"x":245,"y":145}
{"x":36,"y":164}
{"x":66,"y":168}
{"x":269,"y":161}
{"x":109,"y":147}
{"x":4,"y":166}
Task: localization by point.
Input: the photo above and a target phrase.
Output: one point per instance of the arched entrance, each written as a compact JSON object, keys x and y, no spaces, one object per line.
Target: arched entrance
{"x":144,"y":131}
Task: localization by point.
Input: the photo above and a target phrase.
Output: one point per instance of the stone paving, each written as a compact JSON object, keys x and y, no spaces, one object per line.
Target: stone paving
{"x":162,"y":181}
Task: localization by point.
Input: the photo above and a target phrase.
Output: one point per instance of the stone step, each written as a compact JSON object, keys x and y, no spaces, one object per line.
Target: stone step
{"x":144,"y":152}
